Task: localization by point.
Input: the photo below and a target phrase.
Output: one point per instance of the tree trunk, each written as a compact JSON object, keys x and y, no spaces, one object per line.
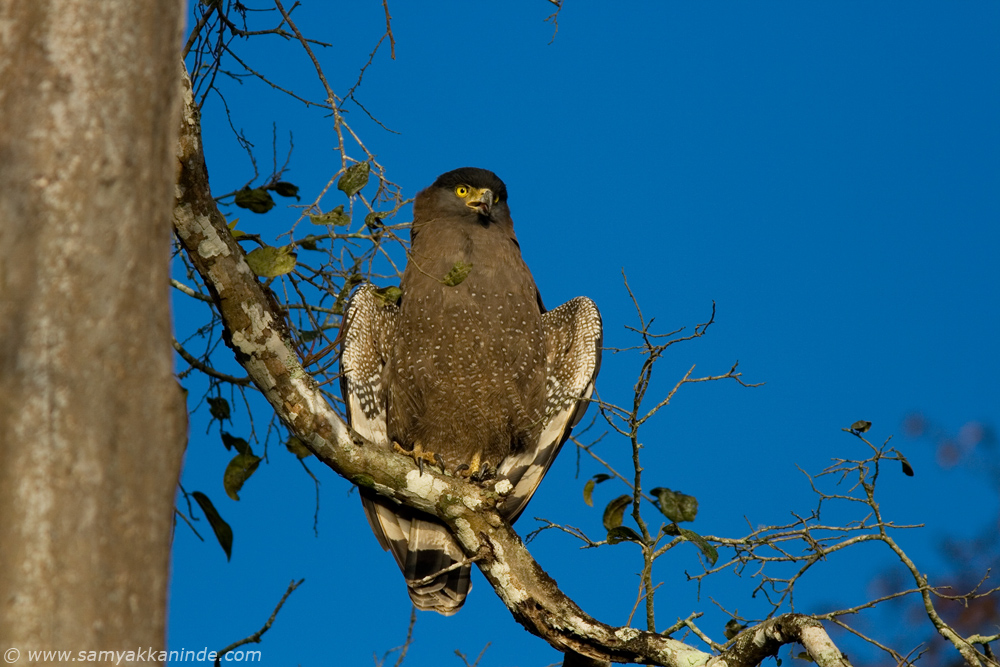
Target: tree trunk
{"x":92,"y":422}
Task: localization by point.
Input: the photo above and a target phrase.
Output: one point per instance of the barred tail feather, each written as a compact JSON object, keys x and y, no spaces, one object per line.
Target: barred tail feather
{"x":423,"y":549}
{"x":432,"y":553}
{"x":425,"y":552}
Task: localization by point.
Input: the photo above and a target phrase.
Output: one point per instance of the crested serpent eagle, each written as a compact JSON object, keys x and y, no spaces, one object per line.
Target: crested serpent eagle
{"x":472,"y":375}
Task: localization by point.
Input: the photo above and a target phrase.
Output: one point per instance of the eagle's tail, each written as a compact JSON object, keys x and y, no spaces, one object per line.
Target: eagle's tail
{"x":431,"y":576}
{"x":425,"y":552}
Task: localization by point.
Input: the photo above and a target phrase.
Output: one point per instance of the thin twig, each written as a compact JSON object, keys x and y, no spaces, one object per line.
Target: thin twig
{"x":255,"y":637}
{"x":208,"y":370}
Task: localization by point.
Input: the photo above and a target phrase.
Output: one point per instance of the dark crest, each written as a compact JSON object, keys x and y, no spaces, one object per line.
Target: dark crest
{"x":475,"y":177}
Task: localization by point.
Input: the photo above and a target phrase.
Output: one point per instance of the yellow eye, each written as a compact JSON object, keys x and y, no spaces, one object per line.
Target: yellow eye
{"x":462,"y":190}
{"x":496,"y":199}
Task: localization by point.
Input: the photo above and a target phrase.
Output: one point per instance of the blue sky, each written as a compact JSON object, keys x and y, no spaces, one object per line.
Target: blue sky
{"x":828,"y":174}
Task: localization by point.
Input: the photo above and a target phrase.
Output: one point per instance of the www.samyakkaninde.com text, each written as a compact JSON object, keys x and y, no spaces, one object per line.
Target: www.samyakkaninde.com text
{"x":140,"y":655}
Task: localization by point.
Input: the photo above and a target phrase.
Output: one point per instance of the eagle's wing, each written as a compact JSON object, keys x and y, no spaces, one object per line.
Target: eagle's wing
{"x":369,"y":325}
{"x":422,"y":549}
{"x":573,"y":338}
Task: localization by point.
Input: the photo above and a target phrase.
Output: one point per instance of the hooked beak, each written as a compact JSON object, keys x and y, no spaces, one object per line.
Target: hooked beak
{"x":481,"y":201}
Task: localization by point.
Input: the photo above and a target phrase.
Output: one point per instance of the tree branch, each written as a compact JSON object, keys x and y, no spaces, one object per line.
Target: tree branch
{"x":255,"y":637}
{"x":756,"y":643}
{"x":255,"y":329}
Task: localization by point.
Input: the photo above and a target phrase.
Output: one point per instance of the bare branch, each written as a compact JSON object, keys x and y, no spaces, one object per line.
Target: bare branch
{"x":478,"y":658}
{"x":208,"y":370}
{"x":756,"y":643}
{"x":404,"y":647}
{"x":256,"y":637}
{"x":256,"y":329}
{"x":388,"y":30}
{"x":553,"y":18}
{"x":178,"y":285}
{"x":257,"y":335}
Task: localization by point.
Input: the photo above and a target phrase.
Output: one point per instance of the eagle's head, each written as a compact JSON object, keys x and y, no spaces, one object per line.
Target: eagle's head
{"x":476,"y":194}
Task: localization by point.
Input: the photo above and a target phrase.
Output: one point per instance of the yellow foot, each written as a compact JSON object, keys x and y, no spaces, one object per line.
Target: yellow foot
{"x":476,"y":470}
{"x":419,"y":455}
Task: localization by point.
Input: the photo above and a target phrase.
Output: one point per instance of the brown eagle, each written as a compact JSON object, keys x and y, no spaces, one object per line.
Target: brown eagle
{"x":471,"y":374}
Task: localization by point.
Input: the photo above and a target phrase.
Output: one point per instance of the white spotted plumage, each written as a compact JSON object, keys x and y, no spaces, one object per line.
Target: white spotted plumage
{"x":573,"y":337}
{"x":475,"y":372}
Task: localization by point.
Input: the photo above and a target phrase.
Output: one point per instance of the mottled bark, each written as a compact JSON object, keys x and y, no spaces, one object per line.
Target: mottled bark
{"x":91,"y":419}
{"x":762,"y":641}
{"x":255,"y":331}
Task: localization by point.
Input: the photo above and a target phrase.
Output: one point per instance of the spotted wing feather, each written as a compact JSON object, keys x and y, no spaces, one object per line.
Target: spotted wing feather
{"x":422,"y":549}
{"x":368,"y":326}
{"x":573,"y":338}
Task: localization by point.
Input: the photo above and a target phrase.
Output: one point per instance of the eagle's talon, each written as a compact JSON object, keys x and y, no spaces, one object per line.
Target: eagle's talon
{"x":461,"y":469}
{"x":419,"y":455}
{"x":486,"y":472}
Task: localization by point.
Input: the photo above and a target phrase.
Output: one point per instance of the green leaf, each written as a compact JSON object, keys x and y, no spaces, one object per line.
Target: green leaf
{"x":238,"y":472}
{"x":588,"y":488}
{"x":861,"y":426}
{"x":223,"y":532}
{"x":286,"y":189}
{"x":231,"y":441}
{"x":458,"y":273}
{"x":336,"y":217}
{"x":710,"y":552}
{"x":374,"y":219}
{"x":355,"y":178}
{"x":218,"y":407}
{"x":675,"y":505}
{"x":296,"y":446}
{"x":615,"y":510}
{"x":623,"y":534}
{"x":352,"y":280}
{"x":309,"y":335}
{"x":235,"y":233}
{"x":308,"y":243}
{"x":389,"y":296}
{"x":907,"y":468}
{"x":257,"y":200}
{"x":271,"y":261}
